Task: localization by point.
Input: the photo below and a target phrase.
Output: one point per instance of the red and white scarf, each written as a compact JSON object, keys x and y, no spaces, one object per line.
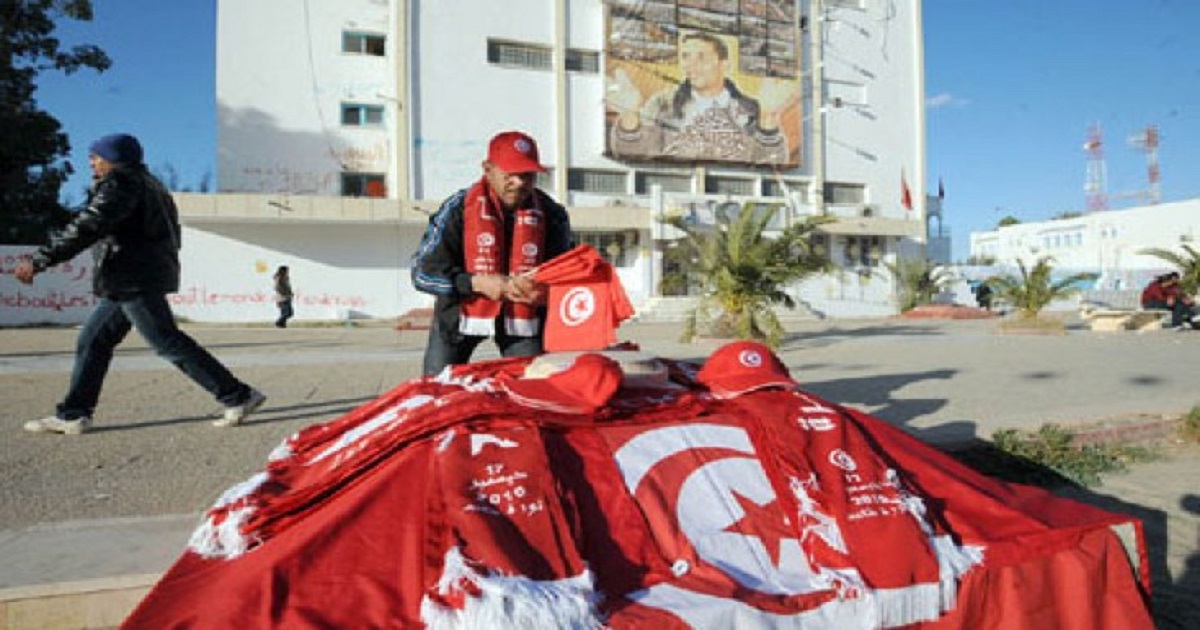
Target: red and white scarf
{"x":487,"y":252}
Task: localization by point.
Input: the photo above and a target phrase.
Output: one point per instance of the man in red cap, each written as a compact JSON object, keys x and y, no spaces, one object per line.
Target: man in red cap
{"x":477,"y":254}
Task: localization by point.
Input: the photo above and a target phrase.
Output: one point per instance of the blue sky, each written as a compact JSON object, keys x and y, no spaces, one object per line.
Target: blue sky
{"x":161,"y":86}
{"x":1012,"y":88}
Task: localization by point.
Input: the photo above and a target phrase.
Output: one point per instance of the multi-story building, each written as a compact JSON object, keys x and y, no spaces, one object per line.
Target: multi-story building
{"x":340,"y":122}
{"x":1109,"y":243}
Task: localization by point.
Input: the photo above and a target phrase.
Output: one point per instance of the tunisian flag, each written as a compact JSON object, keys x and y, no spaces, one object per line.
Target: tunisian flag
{"x":586,"y":303}
{"x":482,"y":498}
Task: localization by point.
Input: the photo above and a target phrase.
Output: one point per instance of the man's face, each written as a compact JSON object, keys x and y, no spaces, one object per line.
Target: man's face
{"x":703,"y":68}
{"x":510,"y":188}
{"x":100,"y":166}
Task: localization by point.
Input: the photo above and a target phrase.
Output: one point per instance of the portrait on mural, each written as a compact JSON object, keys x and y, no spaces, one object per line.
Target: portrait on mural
{"x":703,"y":80}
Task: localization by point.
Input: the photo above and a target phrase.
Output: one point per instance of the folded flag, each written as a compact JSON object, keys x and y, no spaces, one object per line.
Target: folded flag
{"x":586,"y":303}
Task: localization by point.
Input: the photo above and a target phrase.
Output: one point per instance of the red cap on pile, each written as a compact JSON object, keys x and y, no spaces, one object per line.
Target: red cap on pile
{"x":583,"y":387}
{"x":743,"y":366}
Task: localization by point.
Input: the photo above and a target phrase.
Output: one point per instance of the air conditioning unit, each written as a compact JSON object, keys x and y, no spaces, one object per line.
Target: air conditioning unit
{"x":869,"y":210}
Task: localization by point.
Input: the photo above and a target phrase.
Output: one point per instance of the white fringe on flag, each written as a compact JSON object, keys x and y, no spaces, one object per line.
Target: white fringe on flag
{"x":510,"y":602}
{"x":225,"y":539}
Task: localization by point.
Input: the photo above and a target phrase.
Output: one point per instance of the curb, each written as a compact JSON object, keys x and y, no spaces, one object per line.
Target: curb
{"x":83,"y":605}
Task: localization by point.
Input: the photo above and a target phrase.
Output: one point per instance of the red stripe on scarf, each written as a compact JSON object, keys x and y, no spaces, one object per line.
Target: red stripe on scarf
{"x":486,"y":252}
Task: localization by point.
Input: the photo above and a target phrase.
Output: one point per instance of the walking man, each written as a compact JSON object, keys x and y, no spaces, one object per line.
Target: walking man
{"x":283,"y":296}
{"x":132,"y":225}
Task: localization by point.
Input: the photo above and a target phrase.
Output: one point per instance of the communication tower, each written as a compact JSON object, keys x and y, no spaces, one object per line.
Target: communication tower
{"x":1095,"y":187}
{"x":1147,"y":141}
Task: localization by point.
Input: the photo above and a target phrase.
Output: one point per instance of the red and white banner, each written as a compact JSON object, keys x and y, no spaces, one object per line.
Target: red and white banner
{"x":464,"y":501}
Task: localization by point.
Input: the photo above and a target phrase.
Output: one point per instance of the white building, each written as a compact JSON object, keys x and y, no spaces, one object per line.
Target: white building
{"x":1107,"y":242}
{"x":395,"y":100}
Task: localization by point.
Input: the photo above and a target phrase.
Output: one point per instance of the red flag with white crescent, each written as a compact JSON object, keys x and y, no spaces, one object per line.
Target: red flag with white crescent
{"x":479,"y":498}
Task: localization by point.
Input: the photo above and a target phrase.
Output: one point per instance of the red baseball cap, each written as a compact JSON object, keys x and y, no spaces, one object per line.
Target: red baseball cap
{"x":743,"y":366}
{"x":514,"y":152}
{"x":582,"y":387}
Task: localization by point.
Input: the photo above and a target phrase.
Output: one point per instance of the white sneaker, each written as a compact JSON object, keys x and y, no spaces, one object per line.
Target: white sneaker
{"x":236,"y":414}
{"x":54,"y":424}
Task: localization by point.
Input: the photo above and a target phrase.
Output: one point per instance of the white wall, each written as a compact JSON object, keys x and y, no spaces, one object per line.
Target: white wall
{"x":336,"y":270}
{"x":878,"y":49}
{"x":61,"y":295}
{"x":281,"y":79}
{"x":1105,"y":242}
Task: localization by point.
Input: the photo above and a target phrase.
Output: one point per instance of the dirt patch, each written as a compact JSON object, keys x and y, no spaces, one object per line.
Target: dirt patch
{"x":947,"y":311}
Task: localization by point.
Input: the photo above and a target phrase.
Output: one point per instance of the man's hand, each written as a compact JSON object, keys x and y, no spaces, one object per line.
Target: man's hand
{"x":489,"y":285}
{"x":775,"y":95}
{"x":523,"y":290}
{"x":625,"y":99}
{"x":25,"y":271}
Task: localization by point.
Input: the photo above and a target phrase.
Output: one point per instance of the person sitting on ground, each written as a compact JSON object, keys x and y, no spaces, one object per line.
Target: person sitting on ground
{"x":1164,"y":292}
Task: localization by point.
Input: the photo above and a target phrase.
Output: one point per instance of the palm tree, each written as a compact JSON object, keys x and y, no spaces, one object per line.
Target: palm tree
{"x":1036,"y":287}
{"x":1188,"y":263}
{"x":745,"y":271}
{"x":918,"y":281}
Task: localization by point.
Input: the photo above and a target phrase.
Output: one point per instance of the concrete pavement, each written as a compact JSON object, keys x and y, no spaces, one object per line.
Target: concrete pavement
{"x":87,"y":523}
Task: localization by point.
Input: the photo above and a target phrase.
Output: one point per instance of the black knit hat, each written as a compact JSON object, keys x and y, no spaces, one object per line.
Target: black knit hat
{"x":118,"y":148}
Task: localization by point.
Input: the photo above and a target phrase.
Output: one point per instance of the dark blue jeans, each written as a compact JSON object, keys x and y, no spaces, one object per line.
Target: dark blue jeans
{"x":285,"y":313}
{"x":107,"y":326}
{"x":1180,"y":312}
{"x":440,"y":351}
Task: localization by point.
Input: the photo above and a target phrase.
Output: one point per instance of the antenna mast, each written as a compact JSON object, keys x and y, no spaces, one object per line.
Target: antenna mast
{"x":1147,"y":142}
{"x":1095,"y":187}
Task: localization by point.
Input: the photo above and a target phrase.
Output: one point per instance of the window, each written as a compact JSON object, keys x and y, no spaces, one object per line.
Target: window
{"x":539,"y":56}
{"x":863,"y":251}
{"x":845,"y":194}
{"x":354,"y":115}
{"x":591,"y":180}
{"x":729,"y":186}
{"x":522,"y":55}
{"x":616,"y":247}
{"x":583,"y":61}
{"x":363,"y":43}
{"x":775,"y":188}
{"x":670,"y":182}
{"x":363,"y":185}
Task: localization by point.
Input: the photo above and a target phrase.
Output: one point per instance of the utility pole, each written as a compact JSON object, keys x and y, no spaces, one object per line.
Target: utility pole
{"x":400,"y":144}
{"x":816,"y":28}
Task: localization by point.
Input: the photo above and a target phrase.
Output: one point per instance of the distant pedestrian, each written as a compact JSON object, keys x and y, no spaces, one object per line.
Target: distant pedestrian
{"x":132,"y":225}
{"x":283,"y":296}
{"x":1164,"y":292}
{"x":983,"y":296}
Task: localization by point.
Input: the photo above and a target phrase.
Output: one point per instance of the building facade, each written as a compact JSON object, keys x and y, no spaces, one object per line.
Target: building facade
{"x":395,"y":100}
{"x":1108,"y":243}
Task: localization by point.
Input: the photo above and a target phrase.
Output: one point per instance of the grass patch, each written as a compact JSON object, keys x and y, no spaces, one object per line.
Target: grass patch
{"x":1053,"y":447}
{"x":1189,"y":426}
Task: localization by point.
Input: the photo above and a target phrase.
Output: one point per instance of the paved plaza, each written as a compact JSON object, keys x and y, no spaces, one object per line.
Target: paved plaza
{"x":112,"y":508}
